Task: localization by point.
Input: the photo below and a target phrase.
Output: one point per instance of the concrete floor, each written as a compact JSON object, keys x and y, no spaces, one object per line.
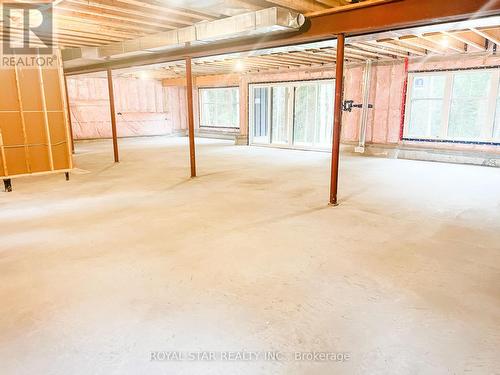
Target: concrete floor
{"x":122,"y":260}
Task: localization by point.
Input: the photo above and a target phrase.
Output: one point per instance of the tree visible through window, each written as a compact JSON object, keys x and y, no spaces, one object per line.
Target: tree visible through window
{"x":220,"y":107}
{"x":496,"y":133}
{"x":469,"y":104}
{"x":457,"y":106}
{"x":427,"y":98}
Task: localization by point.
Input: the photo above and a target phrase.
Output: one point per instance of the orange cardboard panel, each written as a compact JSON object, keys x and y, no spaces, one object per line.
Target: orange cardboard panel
{"x":31,"y":95}
{"x":8,"y":93}
{"x":52,"y":89}
{"x":16,"y":160}
{"x":35,"y":127}
{"x":11,"y":128}
{"x":39,"y":158}
{"x":57,"y":127}
{"x":60,"y":154}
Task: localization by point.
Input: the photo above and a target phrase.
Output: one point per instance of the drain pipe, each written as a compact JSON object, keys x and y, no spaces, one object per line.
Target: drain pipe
{"x":367,"y":82}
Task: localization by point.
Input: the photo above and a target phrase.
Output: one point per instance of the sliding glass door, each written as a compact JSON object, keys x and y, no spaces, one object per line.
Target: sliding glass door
{"x":260,"y":111}
{"x":280,"y":118}
{"x":295,"y":114}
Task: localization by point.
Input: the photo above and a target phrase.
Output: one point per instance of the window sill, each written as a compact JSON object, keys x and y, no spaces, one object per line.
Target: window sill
{"x":427,"y":140}
{"x":219,"y":128}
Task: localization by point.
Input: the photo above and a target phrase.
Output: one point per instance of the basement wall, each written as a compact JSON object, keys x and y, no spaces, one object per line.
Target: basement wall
{"x":242,"y":81}
{"x":386,"y":95}
{"x":143,"y":107}
{"x":147,"y":108}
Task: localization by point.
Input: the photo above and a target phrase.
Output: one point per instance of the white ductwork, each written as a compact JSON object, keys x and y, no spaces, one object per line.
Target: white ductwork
{"x":265,"y":21}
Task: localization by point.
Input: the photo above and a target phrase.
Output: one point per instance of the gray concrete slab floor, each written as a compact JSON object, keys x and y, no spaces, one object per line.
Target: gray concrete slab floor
{"x":124,"y":260}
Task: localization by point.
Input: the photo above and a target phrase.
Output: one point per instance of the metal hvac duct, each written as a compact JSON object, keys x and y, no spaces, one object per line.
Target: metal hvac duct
{"x":270,"y":20}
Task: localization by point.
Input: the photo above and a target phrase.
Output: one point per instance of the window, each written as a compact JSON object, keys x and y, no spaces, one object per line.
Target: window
{"x":469,"y":105}
{"x":426,"y":109}
{"x":292,"y":114}
{"x":279,"y":119}
{"x":454,"y":106}
{"x":305,"y":114}
{"x":219,"y":107}
{"x":314,"y":115}
{"x":496,"y":133}
{"x":260,"y":114}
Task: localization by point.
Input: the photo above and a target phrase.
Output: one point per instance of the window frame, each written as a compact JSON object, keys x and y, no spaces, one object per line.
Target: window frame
{"x":487,"y":129}
{"x":201,"y":108}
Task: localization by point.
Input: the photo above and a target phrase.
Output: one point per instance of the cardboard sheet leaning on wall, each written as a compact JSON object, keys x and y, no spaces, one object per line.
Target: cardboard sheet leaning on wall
{"x":34,"y":128}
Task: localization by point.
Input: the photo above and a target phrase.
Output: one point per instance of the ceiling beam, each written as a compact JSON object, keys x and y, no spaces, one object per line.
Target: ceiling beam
{"x":395,"y":43}
{"x":152,"y":5}
{"x":465,"y":40}
{"x":143,"y":13}
{"x":300,"y":5}
{"x":487,"y":36}
{"x":416,"y":42}
{"x":358,"y":21}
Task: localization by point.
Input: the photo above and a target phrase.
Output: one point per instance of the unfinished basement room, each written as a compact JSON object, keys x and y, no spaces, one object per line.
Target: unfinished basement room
{"x":258,"y":187}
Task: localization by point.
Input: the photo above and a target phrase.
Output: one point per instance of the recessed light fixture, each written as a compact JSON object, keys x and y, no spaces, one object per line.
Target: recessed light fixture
{"x":239,"y":66}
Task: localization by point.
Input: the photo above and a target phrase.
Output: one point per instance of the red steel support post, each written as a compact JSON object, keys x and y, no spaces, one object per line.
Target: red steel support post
{"x":337,"y":121}
{"x":113,"y":114}
{"x":189,"y":92}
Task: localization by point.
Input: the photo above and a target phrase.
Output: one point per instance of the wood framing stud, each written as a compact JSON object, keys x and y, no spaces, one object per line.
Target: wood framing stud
{"x":46,"y":119}
{"x":337,"y":121}
{"x":70,"y":124}
{"x":189,"y":93}
{"x":113,"y":114}
{"x":403,"y":100}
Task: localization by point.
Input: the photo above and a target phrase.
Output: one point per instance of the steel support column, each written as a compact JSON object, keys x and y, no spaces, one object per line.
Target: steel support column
{"x":337,"y":120}
{"x":189,"y":92}
{"x":113,"y":114}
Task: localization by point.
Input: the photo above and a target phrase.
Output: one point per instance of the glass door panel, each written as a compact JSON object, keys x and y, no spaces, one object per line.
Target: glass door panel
{"x":261,"y":133}
{"x":305,"y":115}
{"x":295,"y":114}
{"x":324,"y":123}
{"x":280,"y":117}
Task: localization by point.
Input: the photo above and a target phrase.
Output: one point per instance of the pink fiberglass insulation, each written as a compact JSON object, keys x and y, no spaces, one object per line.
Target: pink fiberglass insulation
{"x":353,"y":88}
{"x":382,"y":104}
{"x":147,"y":108}
{"x":143,"y":107}
{"x":454,"y":63}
